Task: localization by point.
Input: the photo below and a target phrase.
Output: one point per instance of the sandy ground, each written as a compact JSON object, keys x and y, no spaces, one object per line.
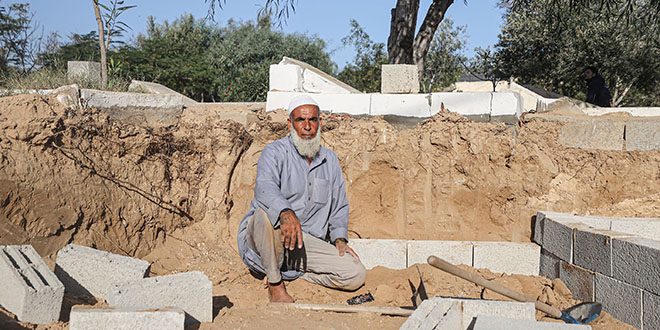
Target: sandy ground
{"x":175,"y":196}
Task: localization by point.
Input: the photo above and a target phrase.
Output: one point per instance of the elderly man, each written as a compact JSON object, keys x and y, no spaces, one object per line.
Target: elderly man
{"x":297,"y":225}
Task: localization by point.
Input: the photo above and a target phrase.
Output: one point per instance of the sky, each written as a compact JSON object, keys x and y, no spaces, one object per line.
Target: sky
{"x":328,"y":20}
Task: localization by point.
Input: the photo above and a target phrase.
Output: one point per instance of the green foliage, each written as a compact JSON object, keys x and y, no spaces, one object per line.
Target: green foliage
{"x":538,"y":48}
{"x":365,"y":71}
{"x":18,"y":39}
{"x":444,"y":59}
{"x":114,"y":28}
{"x":80,"y":47}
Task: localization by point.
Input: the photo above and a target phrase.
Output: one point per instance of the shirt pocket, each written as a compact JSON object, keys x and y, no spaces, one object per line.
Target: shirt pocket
{"x":320,"y":190}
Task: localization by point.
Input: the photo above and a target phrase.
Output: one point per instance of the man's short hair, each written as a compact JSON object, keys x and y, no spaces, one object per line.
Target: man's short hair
{"x":592,"y":69}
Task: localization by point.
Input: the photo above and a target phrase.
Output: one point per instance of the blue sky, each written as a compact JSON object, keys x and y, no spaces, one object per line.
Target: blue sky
{"x":328,"y":20}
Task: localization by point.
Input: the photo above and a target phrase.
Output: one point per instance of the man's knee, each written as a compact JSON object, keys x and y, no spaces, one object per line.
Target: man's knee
{"x":354,"y":275}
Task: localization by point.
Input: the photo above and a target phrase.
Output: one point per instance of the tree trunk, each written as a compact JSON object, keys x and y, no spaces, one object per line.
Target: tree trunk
{"x":99,"y":21}
{"x":434,"y":16}
{"x":402,"y":32}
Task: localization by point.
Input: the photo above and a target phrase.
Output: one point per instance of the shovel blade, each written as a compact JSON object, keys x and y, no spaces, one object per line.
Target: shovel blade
{"x":582,"y":313}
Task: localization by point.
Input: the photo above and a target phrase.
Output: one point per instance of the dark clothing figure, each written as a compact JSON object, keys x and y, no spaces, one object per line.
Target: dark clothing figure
{"x":597,"y":92}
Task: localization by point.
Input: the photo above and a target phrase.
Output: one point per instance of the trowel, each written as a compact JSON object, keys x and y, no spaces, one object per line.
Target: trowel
{"x":579,"y":314}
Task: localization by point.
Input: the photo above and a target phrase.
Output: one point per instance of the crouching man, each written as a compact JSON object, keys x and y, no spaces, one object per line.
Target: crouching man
{"x":297,"y":225}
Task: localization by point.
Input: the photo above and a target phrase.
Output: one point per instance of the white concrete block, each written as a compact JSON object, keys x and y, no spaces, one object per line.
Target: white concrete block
{"x":189,"y":291}
{"x":312,"y":82}
{"x":645,"y":228}
{"x":435,"y":314}
{"x":487,"y":322}
{"x":455,"y":252}
{"x":169,"y":318}
{"x":27,"y":286}
{"x":352,"y":104}
{"x":411,"y":105}
{"x":603,"y":223}
{"x":388,"y":253}
{"x":509,"y":309}
{"x":285,"y":77}
{"x":462,"y":103}
{"x":508,"y":257}
{"x":399,"y":78}
{"x":506,"y":104}
{"x":87,"y":271}
{"x":163,"y":109}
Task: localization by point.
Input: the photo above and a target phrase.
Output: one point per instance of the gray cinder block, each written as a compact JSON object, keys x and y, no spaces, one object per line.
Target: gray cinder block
{"x":621,"y":300}
{"x":558,"y":239}
{"x":592,"y":249}
{"x":169,"y":318}
{"x":399,"y":78}
{"x":390,"y":253}
{"x":579,"y":280}
{"x":29,"y":289}
{"x":456,"y":253}
{"x":601,"y":134}
{"x":538,"y":228}
{"x":190,"y":291}
{"x":651,"y":316}
{"x":507,"y":257}
{"x":636,"y":261}
{"x":548,"y":265}
{"x":87,"y":271}
{"x":487,"y":322}
{"x":643,"y":134}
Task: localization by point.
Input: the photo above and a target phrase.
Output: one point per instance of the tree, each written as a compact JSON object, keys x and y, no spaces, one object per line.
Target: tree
{"x":19,"y":40}
{"x":364,"y":73}
{"x":108,"y":26}
{"x":538,"y":49}
{"x":444,"y":62}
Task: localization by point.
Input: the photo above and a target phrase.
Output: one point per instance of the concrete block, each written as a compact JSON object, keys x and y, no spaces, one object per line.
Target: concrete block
{"x":537,"y":234}
{"x":647,"y":228}
{"x":622,"y":300}
{"x":454,"y":252}
{"x":162,"y":109}
{"x":190,"y":291}
{"x":138,"y":86}
{"x":558,"y":239}
{"x":169,"y":318}
{"x":643,"y":134}
{"x":388,"y":253}
{"x":508,"y":257}
{"x":592,"y":249}
{"x":506,"y":106}
{"x":509,"y":309}
{"x":431,"y":312}
{"x":399,"y":78}
{"x":650,"y":314}
{"x":548,"y":265}
{"x":486,"y":322}
{"x":87,"y":271}
{"x":466,"y":104}
{"x":285,"y":78}
{"x":600,"y":134}
{"x":579,"y":280}
{"x":29,"y":289}
{"x":352,"y":104}
{"x":84,"y":70}
{"x":636,"y":261}
{"x":570,"y":219}
{"x":413,"y":105}
{"x":312,"y":82}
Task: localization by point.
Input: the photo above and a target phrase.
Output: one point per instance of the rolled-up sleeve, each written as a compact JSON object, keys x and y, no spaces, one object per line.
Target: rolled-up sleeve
{"x":267,"y":187}
{"x":338,"y":219}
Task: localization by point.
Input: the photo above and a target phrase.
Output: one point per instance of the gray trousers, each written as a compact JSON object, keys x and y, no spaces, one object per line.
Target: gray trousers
{"x":319,"y":260}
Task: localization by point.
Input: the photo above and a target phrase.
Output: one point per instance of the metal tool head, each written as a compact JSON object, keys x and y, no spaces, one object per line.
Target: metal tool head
{"x":582,"y":313}
{"x":419,"y":293}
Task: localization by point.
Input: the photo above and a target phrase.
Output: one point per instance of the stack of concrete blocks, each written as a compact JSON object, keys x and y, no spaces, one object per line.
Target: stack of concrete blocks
{"x":170,"y":318}
{"x":499,"y":257}
{"x":84,"y":71}
{"x":459,"y":314}
{"x":291,"y":78}
{"x":190,"y":291}
{"x":28,"y":288}
{"x":89,"y":272}
{"x":614,"y":261}
{"x":399,"y":79}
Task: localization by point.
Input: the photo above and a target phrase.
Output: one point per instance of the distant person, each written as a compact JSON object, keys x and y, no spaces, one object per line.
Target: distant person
{"x":297,"y":225}
{"x":597,"y":92}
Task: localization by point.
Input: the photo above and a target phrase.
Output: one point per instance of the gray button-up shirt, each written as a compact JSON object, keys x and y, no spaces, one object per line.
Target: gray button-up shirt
{"x":316,"y":192}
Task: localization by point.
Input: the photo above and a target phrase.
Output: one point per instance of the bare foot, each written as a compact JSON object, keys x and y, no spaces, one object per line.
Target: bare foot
{"x":277,"y":293}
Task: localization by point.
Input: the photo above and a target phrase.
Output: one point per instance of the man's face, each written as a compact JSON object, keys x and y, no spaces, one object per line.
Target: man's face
{"x":305,"y":121}
{"x":588,"y":74}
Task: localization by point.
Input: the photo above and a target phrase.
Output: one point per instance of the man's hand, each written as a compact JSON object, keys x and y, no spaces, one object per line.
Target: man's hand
{"x":291,"y":231}
{"x":343,"y":247}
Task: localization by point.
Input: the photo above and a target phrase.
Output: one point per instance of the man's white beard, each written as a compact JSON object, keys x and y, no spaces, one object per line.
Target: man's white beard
{"x":307,"y":147}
